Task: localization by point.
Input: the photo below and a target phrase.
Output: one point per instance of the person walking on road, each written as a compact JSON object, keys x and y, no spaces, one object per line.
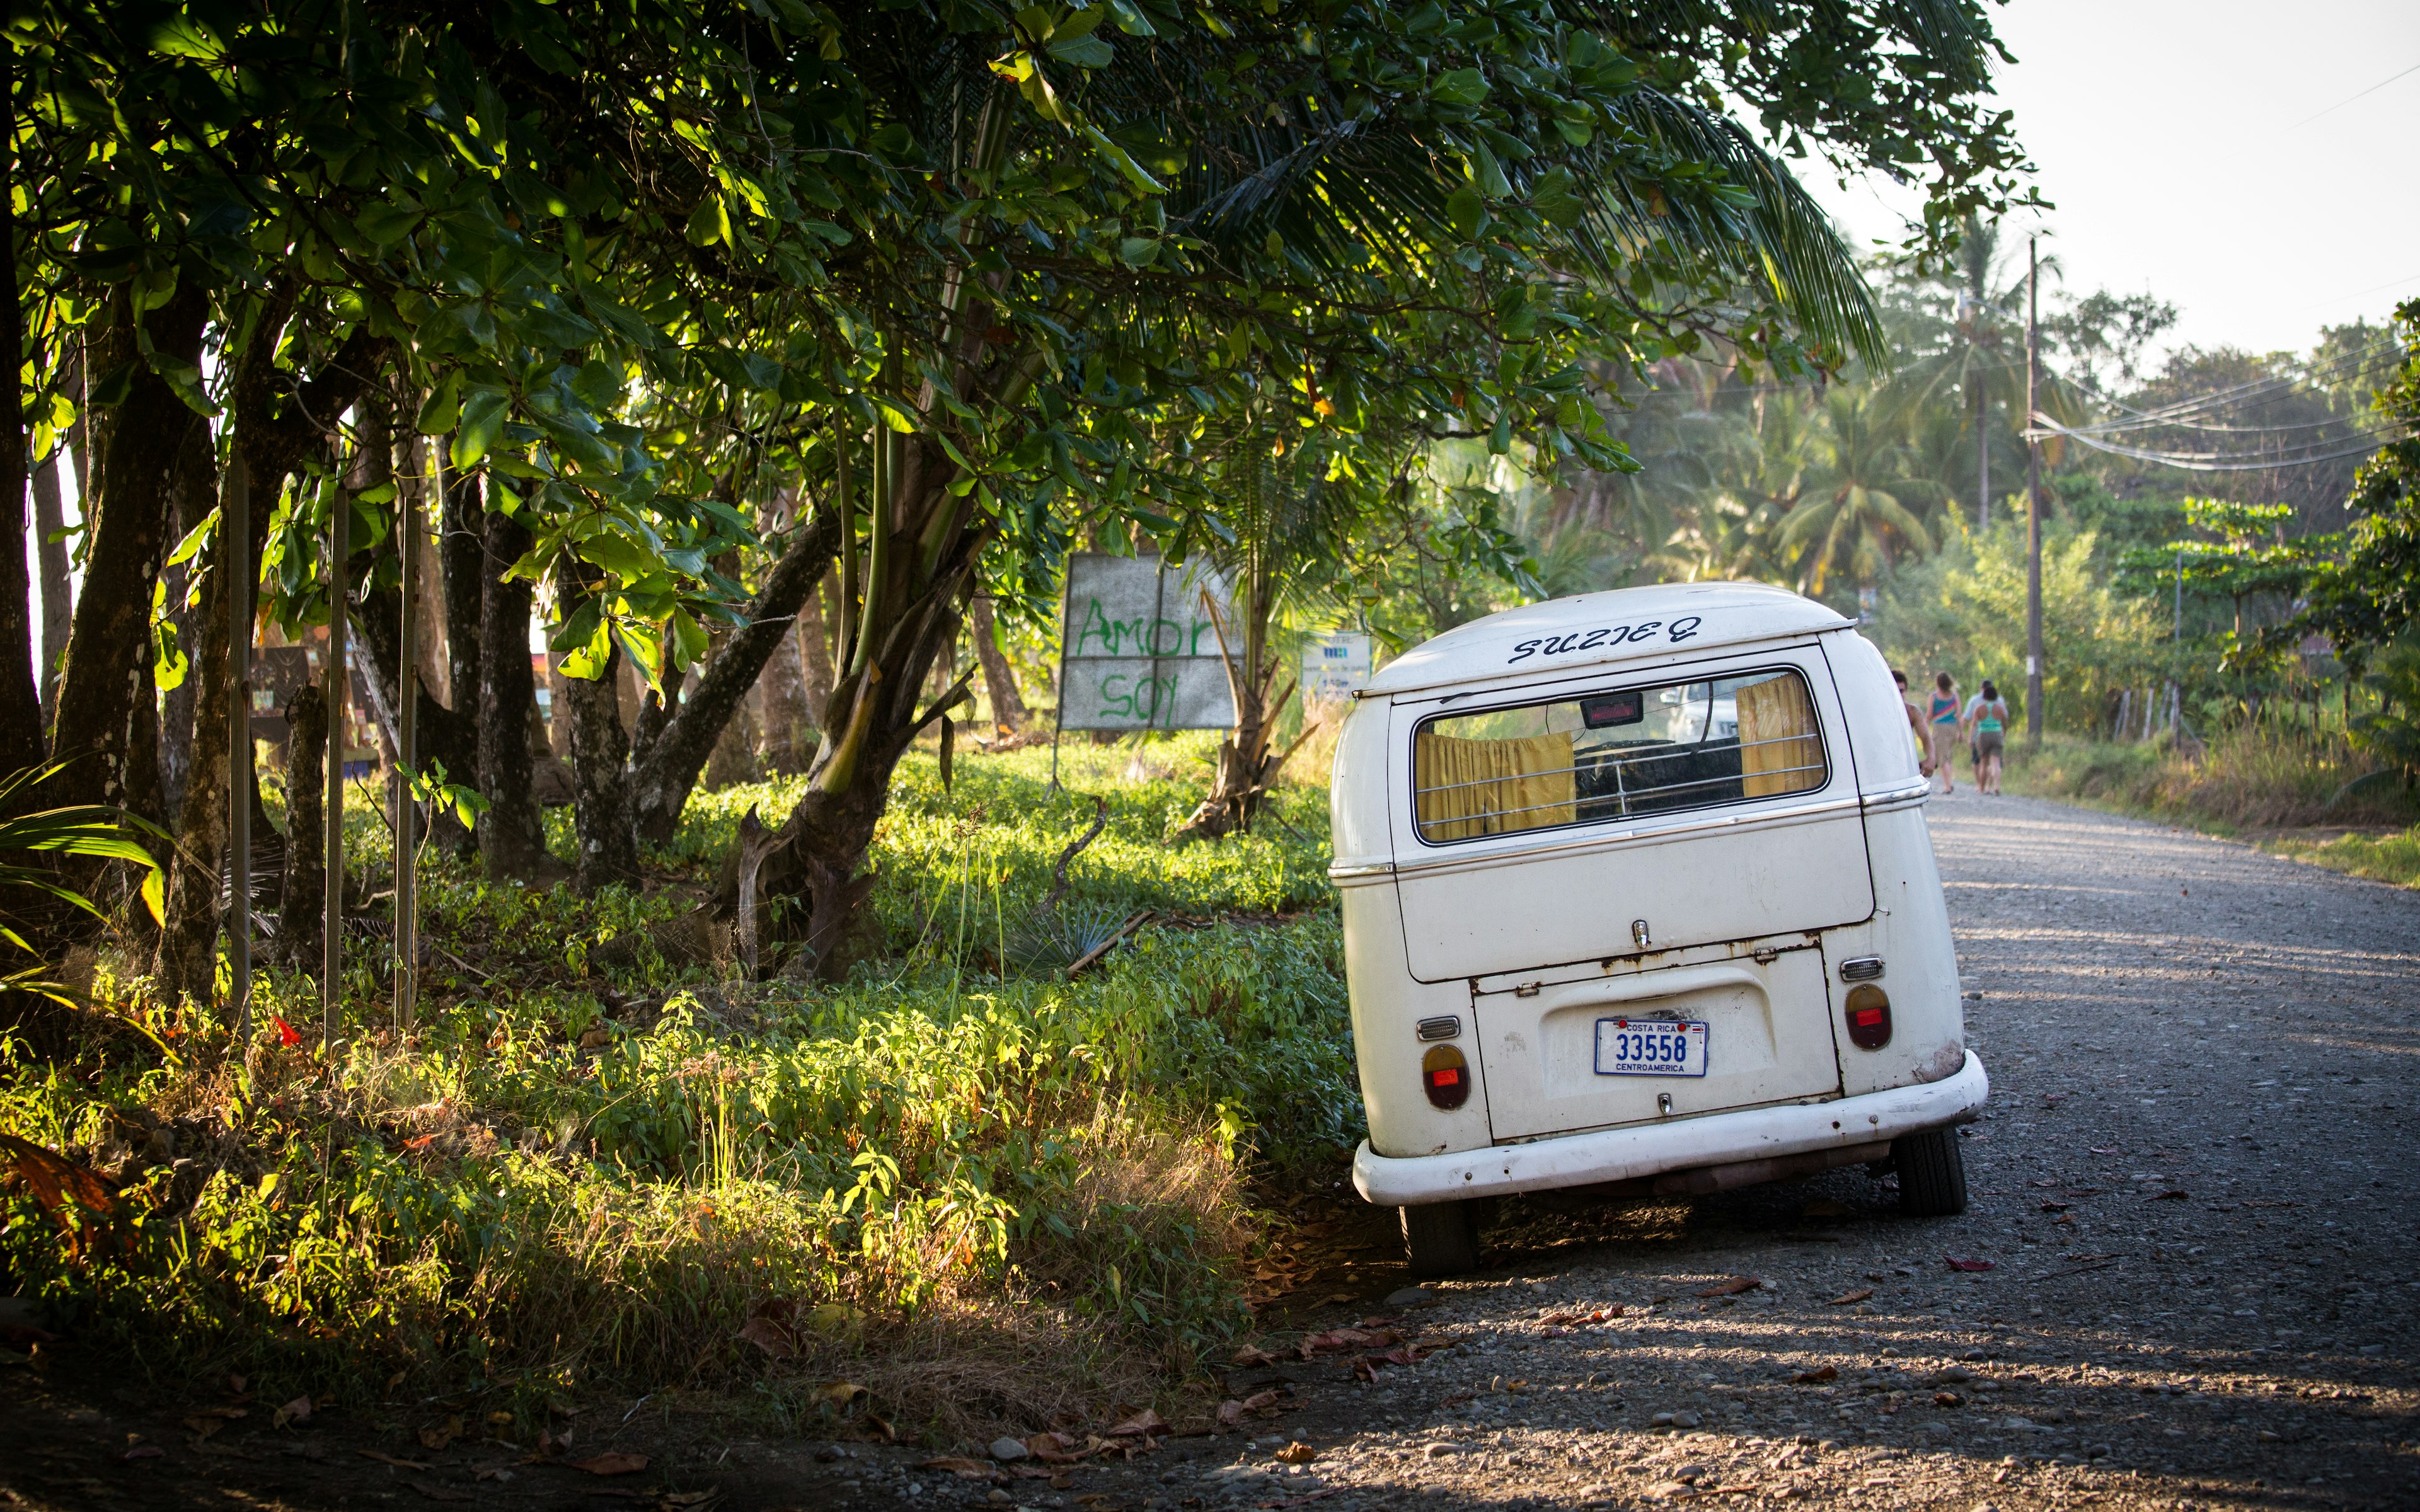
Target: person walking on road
{"x":1987,"y":720}
{"x":1915,"y":724}
{"x":1942,"y":719}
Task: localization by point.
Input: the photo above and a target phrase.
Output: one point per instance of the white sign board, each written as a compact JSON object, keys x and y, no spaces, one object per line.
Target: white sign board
{"x":1140,"y":651}
{"x":1335,"y":665}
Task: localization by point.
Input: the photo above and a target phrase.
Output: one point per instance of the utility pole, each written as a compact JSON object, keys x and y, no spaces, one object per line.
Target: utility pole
{"x":2033,"y":501}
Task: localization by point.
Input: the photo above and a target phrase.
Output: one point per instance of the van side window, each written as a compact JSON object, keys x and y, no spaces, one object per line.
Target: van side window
{"x":1615,"y":754}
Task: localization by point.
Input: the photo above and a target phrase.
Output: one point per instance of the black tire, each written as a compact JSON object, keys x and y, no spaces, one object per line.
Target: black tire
{"x":1931,"y":1174}
{"x":1441,"y":1238}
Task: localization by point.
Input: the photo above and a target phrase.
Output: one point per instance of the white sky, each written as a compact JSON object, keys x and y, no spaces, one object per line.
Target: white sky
{"x":2173,"y":135}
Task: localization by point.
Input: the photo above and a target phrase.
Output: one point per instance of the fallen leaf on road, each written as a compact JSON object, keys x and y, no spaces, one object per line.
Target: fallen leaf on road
{"x":390,"y":1460}
{"x":611,"y":1462}
{"x":1248,"y":1357}
{"x":1847,"y":1297}
{"x":1052,"y":1448}
{"x":1816,"y":1377}
{"x":842,"y":1391}
{"x":1957,"y":1264}
{"x":297,"y":1411}
{"x":1142,"y":1423}
{"x":1230,"y":1413}
{"x":144,"y":1451}
{"x":959,"y":1465}
{"x":1297,"y":1453}
{"x":1734,"y":1286}
{"x":204,"y":1427}
{"x":441,"y":1434}
{"x":1335,"y":1297}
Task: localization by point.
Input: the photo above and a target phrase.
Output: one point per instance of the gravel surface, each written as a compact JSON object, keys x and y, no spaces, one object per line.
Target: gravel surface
{"x":2194,"y":1189}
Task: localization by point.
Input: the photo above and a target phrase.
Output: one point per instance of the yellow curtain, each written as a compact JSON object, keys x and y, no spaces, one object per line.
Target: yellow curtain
{"x":1468,"y":788}
{"x":1779,"y":751}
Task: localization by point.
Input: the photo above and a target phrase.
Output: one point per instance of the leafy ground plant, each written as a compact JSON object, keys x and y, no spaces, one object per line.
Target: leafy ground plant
{"x":982,"y":1190}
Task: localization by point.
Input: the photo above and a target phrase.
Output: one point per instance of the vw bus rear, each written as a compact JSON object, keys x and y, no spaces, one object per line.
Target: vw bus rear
{"x":1638,"y":898}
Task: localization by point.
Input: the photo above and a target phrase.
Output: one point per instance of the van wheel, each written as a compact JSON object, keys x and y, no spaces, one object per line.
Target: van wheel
{"x":1931,"y":1173}
{"x":1442,"y":1238}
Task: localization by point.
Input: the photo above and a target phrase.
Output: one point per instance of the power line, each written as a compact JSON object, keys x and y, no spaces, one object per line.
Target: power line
{"x":2220,"y":461}
{"x":2365,"y":94}
{"x":2238,"y":394}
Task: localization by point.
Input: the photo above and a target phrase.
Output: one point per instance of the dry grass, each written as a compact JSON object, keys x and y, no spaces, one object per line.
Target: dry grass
{"x":2250,"y":779}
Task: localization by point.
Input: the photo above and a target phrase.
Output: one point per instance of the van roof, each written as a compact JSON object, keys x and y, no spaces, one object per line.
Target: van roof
{"x":1580,"y":631}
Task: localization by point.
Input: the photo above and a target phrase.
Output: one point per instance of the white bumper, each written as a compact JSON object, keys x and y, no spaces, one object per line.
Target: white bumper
{"x":1651,"y":1150}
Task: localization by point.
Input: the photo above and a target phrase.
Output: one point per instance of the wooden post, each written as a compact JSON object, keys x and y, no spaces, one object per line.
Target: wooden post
{"x":235,"y":551}
{"x":406,"y":718}
{"x":340,"y":692}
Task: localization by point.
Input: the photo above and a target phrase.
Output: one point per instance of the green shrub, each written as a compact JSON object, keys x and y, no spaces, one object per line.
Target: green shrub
{"x":591,"y":1163}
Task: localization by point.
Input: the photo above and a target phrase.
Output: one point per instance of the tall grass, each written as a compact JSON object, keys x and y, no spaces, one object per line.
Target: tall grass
{"x":985,"y":1190}
{"x":2257,"y":777}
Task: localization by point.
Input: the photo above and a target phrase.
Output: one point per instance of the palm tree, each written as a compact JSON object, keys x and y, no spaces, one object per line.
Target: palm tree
{"x":1965,"y":333}
{"x":1855,"y":518}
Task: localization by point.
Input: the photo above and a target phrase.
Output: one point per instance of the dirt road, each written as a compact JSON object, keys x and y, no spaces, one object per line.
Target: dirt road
{"x":2196,"y":1189}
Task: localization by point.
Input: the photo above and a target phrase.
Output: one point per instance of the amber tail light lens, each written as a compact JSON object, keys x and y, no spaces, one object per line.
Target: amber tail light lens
{"x":1869,"y":1025}
{"x":1445,"y":1075}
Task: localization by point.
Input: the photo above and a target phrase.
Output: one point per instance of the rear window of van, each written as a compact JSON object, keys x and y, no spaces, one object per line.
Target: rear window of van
{"x":1616,"y":754}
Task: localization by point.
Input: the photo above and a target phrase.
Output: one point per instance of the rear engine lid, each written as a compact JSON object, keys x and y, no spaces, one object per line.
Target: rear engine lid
{"x":1548,"y":1052}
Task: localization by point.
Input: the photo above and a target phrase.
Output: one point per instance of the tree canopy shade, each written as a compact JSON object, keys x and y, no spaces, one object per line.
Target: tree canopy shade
{"x":2371,"y":595}
{"x":935,"y":284}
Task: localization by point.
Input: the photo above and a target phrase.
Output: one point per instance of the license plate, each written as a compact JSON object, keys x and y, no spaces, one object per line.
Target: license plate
{"x":1650,"y":1047}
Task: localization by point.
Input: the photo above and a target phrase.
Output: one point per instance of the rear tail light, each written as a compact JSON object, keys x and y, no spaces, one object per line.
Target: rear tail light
{"x":1868,"y":1014}
{"x":1445,"y":1075}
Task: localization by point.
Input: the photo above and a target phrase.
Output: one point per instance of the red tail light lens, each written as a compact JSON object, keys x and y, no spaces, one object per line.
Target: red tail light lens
{"x":1870,"y":1018}
{"x":1445,"y":1075}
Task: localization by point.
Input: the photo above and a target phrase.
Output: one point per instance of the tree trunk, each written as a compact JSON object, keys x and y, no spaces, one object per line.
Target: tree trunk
{"x":909,"y":618}
{"x":58,"y":592}
{"x":21,"y":697}
{"x":185,"y":961}
{"x":273,"y":422}
{"x":1982,"y":462}
{"x":191,"y":501}
{"x":302,"y":903}
{"x":512,"y":837}
{"x":1008,"y":714}
{"x":816,"y":647}
{"x":669,"y":766}
{"x":609,"y":852}
{"x":109,"y":640}
{"x":1247,"y":763}
{"x":558,"y":702}
{"x":787,"y":727}
{"x":461,"y":555}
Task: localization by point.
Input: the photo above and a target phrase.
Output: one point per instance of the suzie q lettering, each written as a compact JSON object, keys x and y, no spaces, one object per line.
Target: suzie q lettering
{"x":1680,"y":630}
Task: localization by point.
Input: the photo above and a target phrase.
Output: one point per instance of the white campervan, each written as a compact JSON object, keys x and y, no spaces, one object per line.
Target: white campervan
{"x":1639,"y":899}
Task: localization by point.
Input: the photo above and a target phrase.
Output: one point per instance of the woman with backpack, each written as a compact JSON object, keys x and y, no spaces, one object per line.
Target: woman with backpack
{"x":1987,"y":721}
